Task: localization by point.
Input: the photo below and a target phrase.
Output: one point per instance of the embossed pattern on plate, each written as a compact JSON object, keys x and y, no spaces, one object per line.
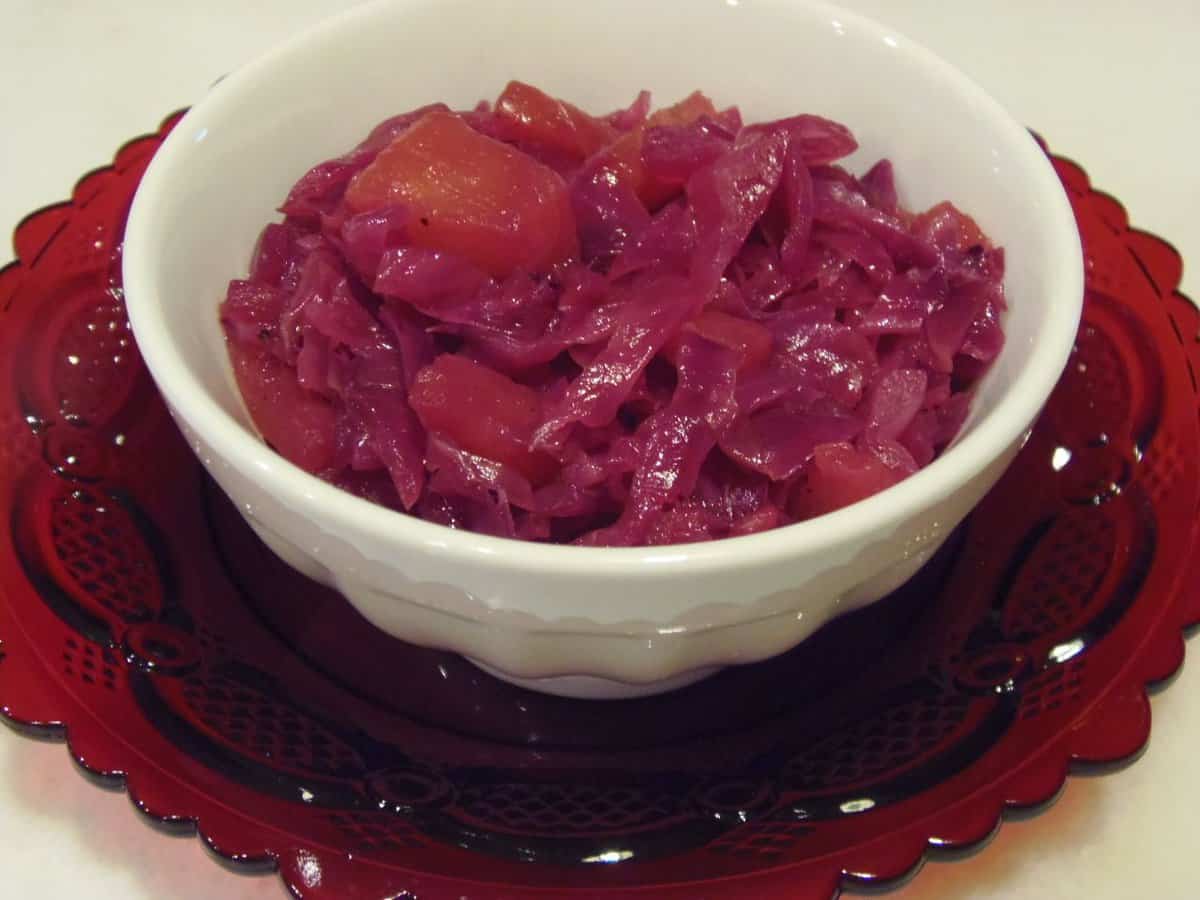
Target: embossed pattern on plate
{"x":143,"y":622}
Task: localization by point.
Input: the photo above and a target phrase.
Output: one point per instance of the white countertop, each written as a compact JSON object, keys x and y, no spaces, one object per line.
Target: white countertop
{"x":1114,"y":88}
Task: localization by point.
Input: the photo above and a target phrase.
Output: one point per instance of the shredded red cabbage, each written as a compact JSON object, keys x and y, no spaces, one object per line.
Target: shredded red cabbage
{"x":704,"y":329}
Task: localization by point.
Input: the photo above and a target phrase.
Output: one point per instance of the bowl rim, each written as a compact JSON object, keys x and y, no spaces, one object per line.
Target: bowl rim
{"x":999,"y":429}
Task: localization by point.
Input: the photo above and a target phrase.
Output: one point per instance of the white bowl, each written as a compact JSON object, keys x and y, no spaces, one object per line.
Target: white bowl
{"x":579,"y":621}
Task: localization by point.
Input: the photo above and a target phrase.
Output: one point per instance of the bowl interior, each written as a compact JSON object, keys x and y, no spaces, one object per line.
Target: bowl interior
{"x":231,"y":161}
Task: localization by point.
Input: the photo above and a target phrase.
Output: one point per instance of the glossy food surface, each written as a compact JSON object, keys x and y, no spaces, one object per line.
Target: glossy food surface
{"x":648,"y":327}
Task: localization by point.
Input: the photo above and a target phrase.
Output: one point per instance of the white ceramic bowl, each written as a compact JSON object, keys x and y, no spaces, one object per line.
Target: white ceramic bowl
{"x":592,"y":622}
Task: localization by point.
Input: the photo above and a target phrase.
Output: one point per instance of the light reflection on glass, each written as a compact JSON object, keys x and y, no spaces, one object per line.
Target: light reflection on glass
{"x":861,"y":804}
{"x":1060,"y":653}
{"x":609,"y":856}
{"x":310,"y":870}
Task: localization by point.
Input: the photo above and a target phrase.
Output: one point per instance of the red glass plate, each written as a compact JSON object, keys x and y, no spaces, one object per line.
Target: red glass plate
{"x":142,"y":622}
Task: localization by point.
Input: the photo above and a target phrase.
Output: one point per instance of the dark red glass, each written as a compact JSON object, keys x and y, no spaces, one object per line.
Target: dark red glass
{"x":143,"y":622}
